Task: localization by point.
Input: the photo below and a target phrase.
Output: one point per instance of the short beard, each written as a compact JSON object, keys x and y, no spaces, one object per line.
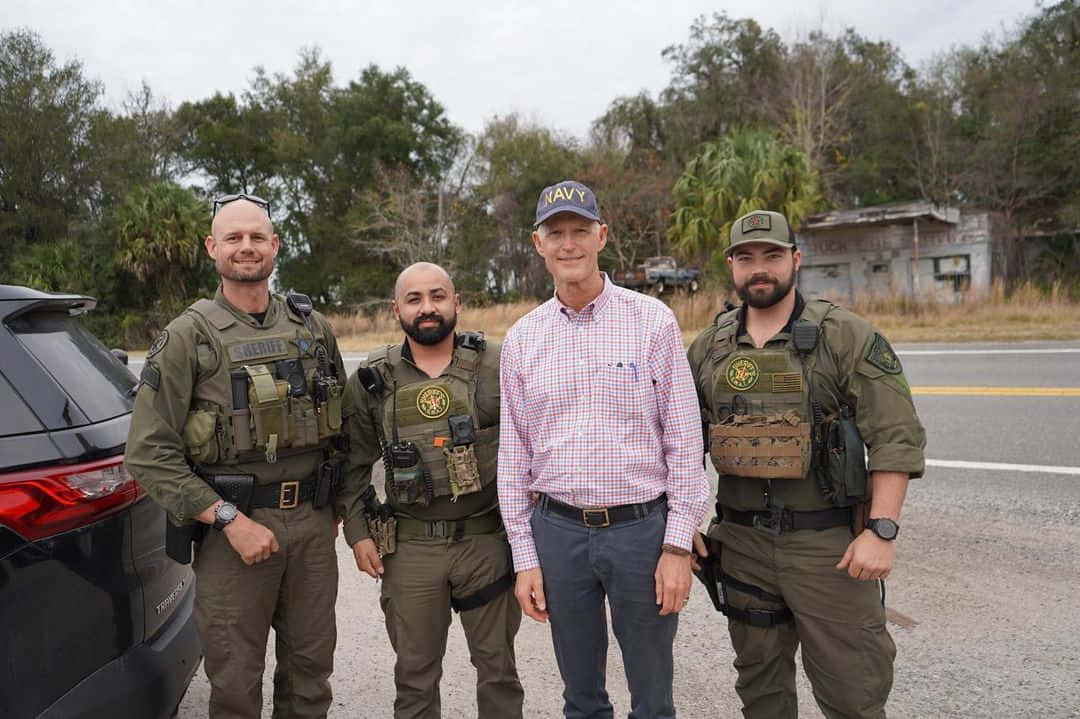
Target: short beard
{"x":429,"y":335}
{"x":779,"y":291}
{"x":257,"y":275}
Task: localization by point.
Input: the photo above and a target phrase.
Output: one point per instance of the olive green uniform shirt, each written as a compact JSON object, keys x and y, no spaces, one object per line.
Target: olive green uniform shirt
{"x":854,"y":366}
{"x":362,"y":415}
{"x":178,"y":359}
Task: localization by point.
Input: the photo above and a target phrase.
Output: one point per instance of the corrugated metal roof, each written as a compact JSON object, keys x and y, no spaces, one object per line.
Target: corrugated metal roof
{"x":882,"y":215}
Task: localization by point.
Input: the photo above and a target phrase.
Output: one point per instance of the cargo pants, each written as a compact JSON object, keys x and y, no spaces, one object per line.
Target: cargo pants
{"x":847,"y":652}
{"x":294,"y":591}
{"x":420,"y":578}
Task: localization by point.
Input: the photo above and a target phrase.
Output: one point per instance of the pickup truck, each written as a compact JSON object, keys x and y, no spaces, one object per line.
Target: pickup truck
{"x":658,"y":275}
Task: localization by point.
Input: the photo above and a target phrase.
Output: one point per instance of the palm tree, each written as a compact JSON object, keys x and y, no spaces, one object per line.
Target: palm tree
{"x":157,"y":233}
{"x":747,"y":170}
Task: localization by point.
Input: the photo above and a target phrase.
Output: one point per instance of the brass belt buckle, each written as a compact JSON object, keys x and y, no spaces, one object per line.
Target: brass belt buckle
{"x":289,"y":495}
{"x":600,"y":512}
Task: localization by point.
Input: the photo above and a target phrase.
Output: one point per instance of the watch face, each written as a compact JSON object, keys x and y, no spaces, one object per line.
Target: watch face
{"x":885,"y":528}
{"x":226,"y":512}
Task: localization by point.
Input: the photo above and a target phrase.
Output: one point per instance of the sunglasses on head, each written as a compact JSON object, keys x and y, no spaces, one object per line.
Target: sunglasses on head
{"x":226,"y":199}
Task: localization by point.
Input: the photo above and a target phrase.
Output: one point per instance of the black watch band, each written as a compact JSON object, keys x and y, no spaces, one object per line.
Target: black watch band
{"x":883,"y":527}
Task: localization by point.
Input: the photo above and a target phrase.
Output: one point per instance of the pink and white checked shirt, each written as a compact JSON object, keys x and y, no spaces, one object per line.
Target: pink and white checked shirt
{"x":599,"y":409}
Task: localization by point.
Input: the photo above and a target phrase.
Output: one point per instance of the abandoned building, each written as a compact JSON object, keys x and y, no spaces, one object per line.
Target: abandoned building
{"x":913,"y":249}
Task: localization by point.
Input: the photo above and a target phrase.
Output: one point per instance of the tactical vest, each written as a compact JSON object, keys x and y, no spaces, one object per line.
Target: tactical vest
{"x":420,"y":411}
{"x":762,"y":420}
{"x":262,"y":393}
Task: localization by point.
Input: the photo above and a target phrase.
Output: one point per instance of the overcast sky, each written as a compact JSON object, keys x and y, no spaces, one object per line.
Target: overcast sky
{"x":559,"y":63}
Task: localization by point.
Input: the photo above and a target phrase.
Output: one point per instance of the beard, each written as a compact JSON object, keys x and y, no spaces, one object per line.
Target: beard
{"x":244,"y":274}
{"x":763,"y":299}
{"x":429,"y":335}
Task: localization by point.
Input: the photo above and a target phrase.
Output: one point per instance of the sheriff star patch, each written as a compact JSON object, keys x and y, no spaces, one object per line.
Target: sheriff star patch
{"x":742,"y":374}
{"x":159,"y":344}
{"x":432,"y":402}
{"x":881,"y":355}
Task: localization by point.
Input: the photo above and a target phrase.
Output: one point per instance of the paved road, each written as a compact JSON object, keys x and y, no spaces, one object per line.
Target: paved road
{"x":985,"y":587}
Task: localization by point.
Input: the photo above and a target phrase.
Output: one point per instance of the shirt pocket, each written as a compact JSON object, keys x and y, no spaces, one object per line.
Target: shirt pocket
{"x":624,"y":394}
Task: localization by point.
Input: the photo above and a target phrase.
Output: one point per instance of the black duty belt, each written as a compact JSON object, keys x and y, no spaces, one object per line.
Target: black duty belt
{"x":283,"y":495}
{"x":596,"y":517}
{"x":454,"y":529}
{"x":777,"y":520}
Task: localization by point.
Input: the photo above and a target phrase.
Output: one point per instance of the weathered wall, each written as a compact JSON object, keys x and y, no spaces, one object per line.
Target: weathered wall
{"x":846,"y":262}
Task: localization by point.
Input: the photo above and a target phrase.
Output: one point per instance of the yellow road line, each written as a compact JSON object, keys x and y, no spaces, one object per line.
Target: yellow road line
{"x":1000,"y":391}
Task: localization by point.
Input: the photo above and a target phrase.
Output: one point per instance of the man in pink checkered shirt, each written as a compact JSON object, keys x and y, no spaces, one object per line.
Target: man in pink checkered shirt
{"x":601,"y":483}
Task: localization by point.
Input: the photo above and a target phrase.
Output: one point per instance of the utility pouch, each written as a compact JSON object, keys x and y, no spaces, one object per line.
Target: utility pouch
{"x":845,"y":460}
{"x":200,"y":437}
{"x":180,"y":540}
{"x":328,"y":397}
{"x":329,"y":479}
{"x":408,"y":481}
{"x":382,"y":527}
{"x":461,"y":463}
{"x":267,"y":402}
{"x":235,"y":488}
{"x":463,"y":469}
{"x":241,"y":416}
{"x":761,"y":447}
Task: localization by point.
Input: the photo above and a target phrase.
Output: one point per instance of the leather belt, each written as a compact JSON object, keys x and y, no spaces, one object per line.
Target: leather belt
{"x":777,"y":520}
{"x":283,"y":495}
{"x":597,"y":517}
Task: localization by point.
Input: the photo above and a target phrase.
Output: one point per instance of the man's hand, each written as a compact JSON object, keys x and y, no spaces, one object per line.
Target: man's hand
{"x":529,"y":591}
{"x":367,"y":558}
{"x":672,"y":582}
{"x":868,"y":557}
{"x":252,"y":541}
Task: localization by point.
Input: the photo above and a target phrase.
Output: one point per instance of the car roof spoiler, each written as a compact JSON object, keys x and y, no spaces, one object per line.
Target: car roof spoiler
{"x":15,"y":301}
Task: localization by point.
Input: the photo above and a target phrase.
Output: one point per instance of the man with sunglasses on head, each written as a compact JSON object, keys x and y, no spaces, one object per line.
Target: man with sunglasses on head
{"x":236,"y":432}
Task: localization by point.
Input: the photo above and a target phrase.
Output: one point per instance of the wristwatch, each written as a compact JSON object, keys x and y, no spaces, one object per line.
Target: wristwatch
{"x":883,"y":527}
{"x":224,"y":514}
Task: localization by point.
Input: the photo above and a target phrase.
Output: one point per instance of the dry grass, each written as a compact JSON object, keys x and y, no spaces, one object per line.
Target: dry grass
{"x":1029,"y":313}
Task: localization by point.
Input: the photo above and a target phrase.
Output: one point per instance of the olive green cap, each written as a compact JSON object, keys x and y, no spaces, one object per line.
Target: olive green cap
{"x":761,"y":226}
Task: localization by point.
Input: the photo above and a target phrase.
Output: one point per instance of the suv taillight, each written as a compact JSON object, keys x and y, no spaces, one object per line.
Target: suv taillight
{"x":39,"y":503}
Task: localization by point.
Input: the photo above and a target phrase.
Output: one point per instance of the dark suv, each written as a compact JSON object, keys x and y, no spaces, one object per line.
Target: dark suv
{"x":95,"y":620}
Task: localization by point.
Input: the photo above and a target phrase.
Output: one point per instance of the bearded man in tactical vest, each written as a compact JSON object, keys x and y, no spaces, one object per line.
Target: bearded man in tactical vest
{"x":236,"y":430}
{"x":792,"y":392}
{"x":428,"y":409}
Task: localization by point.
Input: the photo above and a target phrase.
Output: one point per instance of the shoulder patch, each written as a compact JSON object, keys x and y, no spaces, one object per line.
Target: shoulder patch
{"x":882,"y":356}
{"x":150,"y":376}
{"x":159,"y":344}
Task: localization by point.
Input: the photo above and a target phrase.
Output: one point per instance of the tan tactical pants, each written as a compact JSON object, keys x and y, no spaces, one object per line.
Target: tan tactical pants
{"x":294,"y":591}
{"x":421,"y":576}
{"x":847,"y":652}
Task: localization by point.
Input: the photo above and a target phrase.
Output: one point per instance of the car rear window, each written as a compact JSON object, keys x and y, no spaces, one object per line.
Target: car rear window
{"x":16,"y":417}
{"x":94,"y":379}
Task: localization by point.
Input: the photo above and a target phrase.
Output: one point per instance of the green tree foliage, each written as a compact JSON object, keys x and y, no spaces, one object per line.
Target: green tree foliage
{"x":158,"y":239}
{"x":46,"y":170}
{"x":515,"y":161}
{"x":328,"y":144}
{"x":723,"y":79}
{"x":748,"y":170}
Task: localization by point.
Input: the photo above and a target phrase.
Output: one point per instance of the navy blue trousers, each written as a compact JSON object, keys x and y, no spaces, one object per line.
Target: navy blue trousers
{"x":582,"y":566}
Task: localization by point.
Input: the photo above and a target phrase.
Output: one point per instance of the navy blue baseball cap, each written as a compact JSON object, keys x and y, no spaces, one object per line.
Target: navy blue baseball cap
{"x":566,"y":196}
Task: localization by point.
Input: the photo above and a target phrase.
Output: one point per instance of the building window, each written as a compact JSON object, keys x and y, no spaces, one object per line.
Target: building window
{"x":954,"y":270}
{"x":880,"y":267}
